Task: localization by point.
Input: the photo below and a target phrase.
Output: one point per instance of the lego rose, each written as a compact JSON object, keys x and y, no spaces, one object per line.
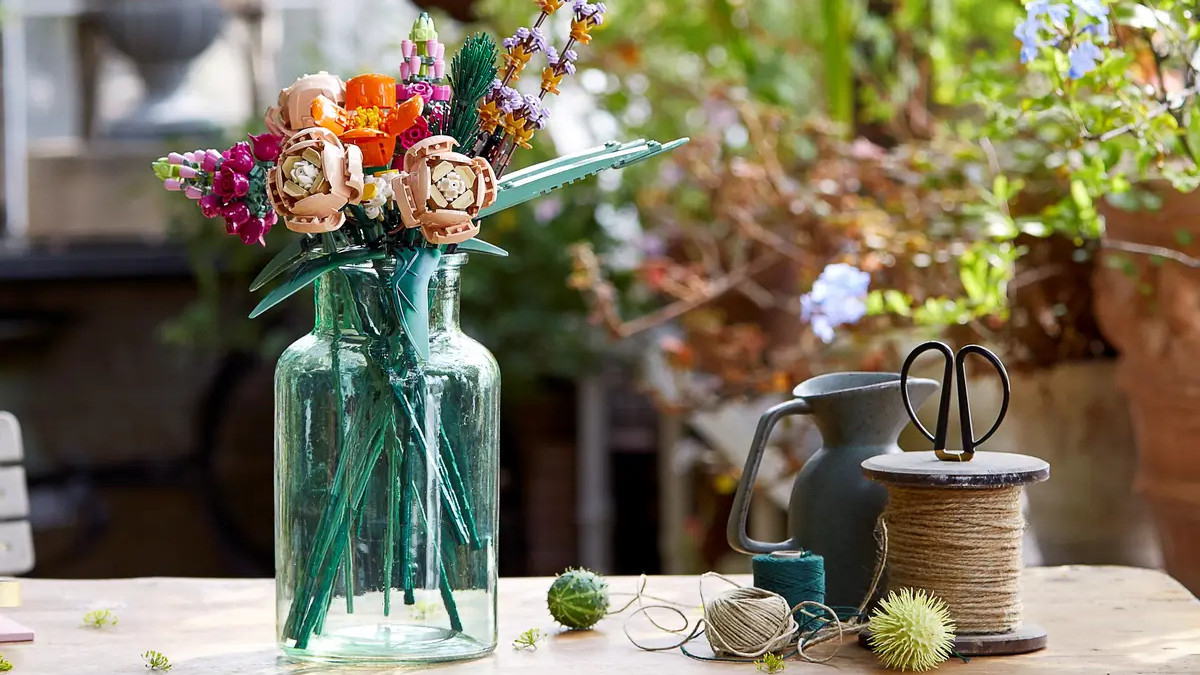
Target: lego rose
{"x":316,"y":176}
{"x":294,"y":109}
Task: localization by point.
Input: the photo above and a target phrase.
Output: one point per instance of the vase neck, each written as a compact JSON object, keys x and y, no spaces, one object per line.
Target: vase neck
{"x":445,"y":291}
{"x":353,"y":301}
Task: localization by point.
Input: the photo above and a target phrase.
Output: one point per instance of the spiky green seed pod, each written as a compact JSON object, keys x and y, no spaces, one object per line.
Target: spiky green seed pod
{"x":911,"y":630}
{"x":578,"y":598}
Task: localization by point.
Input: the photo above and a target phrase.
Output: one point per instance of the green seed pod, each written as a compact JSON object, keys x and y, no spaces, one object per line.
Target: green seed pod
{"x":578,"y":598}
{"x":911,"y":631}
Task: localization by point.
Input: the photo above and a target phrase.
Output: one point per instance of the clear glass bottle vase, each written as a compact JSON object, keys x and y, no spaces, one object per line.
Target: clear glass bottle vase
{"x":386,"y":480}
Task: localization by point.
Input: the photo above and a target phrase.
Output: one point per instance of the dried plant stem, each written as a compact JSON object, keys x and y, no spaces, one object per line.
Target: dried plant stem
{"x":621,"y":328}
{"x":1148,"y":249}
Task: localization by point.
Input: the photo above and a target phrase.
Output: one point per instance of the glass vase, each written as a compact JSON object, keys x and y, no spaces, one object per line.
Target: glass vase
{"x":386,"y":479}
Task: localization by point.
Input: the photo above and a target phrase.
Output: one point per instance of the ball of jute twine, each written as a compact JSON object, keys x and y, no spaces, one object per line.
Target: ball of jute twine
{"x":745,"y":622}
{"x":962,"y":545}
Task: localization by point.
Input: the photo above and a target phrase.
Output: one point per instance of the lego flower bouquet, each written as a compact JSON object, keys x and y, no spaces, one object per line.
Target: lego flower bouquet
{"x":387,"y":414}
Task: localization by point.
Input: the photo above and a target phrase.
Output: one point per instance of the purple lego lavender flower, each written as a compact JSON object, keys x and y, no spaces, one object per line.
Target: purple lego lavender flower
{"x":535,"y":113}
{"x":564,"y":63}
{"x":590,"y":10}
{"x":518,"y":37}
{"x":538,"y":39}
{"x":533,"y":40}
{"x":509,"y":100}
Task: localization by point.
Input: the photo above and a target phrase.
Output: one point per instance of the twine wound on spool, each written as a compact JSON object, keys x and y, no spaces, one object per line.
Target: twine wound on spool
{"x":963,"y":546}
{"x":954,"y":530}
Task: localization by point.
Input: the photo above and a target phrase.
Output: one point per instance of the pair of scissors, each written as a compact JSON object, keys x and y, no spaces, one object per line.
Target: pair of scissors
{"x":955,"y":371}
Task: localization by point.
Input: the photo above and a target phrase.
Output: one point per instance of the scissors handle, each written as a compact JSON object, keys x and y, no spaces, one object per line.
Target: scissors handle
{"x":964,"y":405}
{"x":955,"y":370}
{"x":943,"y":418}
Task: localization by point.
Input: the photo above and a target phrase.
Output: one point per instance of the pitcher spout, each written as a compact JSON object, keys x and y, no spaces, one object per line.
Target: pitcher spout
{"x":858,"y":409}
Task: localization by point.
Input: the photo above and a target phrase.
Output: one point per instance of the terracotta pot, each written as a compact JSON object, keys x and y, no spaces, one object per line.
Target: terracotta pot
{"x":1073,"y":416}
{"x":1151,"y":313}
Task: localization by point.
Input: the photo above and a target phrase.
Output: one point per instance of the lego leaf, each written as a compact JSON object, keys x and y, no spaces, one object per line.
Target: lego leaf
{"x":291,"y":255}
{"x":414,"y":269}
{"x":480,"y":246}
{"x":307,"y":272}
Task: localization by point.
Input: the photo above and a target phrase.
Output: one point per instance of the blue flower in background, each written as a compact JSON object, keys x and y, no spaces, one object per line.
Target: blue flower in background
{"x":838,"y":297}
{"x":1029,"y":33}
{"x":1045,"y":24}
{"x":1093,"y":8}
{"x":1057,"y":12}
{"x":1082,"y":57}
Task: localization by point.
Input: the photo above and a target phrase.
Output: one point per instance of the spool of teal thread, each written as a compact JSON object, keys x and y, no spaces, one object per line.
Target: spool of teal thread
{"x":799,"y":576}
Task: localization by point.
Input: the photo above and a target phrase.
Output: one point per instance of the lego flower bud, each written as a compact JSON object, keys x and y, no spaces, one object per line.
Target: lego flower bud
{"x":173,"y":184}
{"x":406,"y":48}
{"x":405,"y":71}
{"x":439,"y":70}
{"x":441,"y":51}
{"x":211,"y":159}
{"x":193,"y":192}
{"x":176,"y":158}
{"x":186,"y":171}
{"x":414,"y":63}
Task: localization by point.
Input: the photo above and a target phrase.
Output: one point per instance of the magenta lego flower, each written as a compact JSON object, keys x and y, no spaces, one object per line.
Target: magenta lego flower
{"x":210,"y":205}
{"x":422,"y":89}
{"x":229,"y":183}
{"x":252,"y":231}
{"x":266,"y":146}
{"x":236,"y":213}
{"x":239,"y":158}
{"x":419,"y":131}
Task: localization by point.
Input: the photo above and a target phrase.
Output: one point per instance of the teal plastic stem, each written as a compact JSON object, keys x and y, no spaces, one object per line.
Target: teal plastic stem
{"x":321,"y":573}
{"x":340,"y":440}
{"x":393,"y":516}
{"x":434,"y":458}
{"x":459,"y":488}
{"x":443,"y":581}
{"x":406,"y":498}
{"x":322,"y":596}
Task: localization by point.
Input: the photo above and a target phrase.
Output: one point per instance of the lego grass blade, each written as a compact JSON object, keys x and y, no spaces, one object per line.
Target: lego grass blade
{"x":611,"y":146}
{"x":539,"y":179}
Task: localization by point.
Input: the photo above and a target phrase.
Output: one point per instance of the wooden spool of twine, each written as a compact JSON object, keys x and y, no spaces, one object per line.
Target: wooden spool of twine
{"x":954,"y":529}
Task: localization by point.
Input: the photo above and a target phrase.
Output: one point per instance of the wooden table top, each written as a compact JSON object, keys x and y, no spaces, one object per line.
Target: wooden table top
{"x":1100,"y":620}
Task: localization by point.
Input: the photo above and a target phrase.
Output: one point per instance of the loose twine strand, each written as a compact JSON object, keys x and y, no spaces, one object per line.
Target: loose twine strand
{"x":963,"y":546}
{"x":745,"y":622}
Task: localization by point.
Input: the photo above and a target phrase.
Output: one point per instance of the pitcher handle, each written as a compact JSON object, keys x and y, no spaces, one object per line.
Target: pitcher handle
{"x":736,"y":532}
